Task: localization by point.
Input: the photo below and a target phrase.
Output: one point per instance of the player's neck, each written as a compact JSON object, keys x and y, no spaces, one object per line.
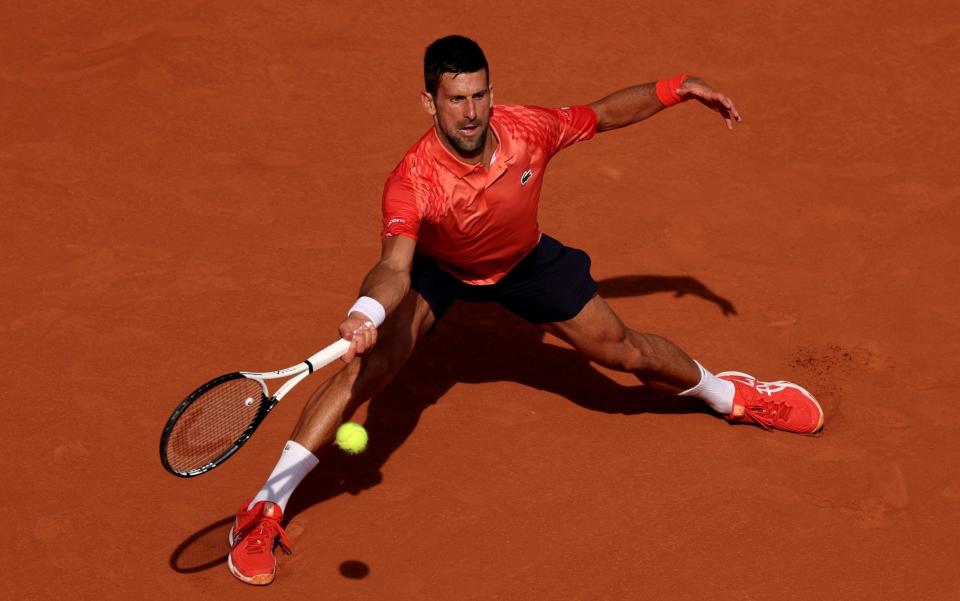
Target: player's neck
{"x":489,"y":148}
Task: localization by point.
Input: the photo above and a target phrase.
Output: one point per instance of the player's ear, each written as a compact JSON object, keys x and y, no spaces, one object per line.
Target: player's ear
{"x":490,"y":87}
{"x":428,"y":104}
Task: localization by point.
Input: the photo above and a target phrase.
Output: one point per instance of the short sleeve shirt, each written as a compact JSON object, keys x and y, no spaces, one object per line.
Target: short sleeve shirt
{"x":477,"y":223}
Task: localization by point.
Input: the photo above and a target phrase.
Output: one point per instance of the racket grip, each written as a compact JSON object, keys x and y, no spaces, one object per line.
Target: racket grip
{"x":329,"y":354}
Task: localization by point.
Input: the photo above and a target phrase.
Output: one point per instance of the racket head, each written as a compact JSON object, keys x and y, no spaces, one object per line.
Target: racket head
{"x":212,"y":423}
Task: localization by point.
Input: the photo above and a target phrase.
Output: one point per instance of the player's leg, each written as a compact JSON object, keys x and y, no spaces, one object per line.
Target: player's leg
{"x":258,"y":522}
{"x":552,"y":288}
{"x":432,"y":292}
{"x":360,"y":380}
{"x":599,"y":334}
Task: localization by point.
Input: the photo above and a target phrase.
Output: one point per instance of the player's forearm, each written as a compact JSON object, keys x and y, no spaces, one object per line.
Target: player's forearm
{"x":626,"y":107}
{"x":386,"y":283}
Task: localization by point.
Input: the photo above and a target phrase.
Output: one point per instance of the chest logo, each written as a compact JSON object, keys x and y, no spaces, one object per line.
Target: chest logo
{"x":525,"y":177}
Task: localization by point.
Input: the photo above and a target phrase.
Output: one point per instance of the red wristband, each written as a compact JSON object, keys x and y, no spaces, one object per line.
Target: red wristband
{"x":667,"y":90}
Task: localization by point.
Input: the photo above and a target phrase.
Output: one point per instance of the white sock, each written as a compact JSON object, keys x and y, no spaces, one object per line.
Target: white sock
{"x":295,"y":463}
{"x":715,"y":392}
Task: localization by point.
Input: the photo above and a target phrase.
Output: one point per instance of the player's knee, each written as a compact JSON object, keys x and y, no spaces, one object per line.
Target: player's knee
{"x":636,"y":354}
{"x":376,"y":368}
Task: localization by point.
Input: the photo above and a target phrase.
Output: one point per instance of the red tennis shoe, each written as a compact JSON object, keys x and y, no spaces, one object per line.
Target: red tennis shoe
{"x":252,"y":539}
{"x":773,"y":405}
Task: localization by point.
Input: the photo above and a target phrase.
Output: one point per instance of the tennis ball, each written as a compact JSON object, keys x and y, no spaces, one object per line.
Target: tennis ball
{"x":352,"y":438}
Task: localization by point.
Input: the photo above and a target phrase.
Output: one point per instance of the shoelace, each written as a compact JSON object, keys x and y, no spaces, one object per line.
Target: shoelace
{"x":259,"y":535}
{"x":767,"y":412}
{"x":764,"y":411}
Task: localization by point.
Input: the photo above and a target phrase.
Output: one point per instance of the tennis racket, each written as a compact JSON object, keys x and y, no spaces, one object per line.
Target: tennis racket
{"x":215,"y":420}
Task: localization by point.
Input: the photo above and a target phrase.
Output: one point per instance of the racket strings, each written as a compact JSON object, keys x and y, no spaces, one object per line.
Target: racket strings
{"x":211,"y":425}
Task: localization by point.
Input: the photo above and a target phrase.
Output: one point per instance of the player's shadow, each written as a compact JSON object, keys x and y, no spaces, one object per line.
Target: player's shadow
{"x":472,"y":344}
{"x":485,"y":343}
{"x":682,"y":285}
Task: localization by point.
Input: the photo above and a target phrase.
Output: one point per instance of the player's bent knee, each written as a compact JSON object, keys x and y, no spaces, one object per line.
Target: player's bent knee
{"x":376,"y":368}
{"x":646,"y":359}
{"x":633,"y":353}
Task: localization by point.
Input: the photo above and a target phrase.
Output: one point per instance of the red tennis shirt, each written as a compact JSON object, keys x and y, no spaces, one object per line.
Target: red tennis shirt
{"x":476,"y":223}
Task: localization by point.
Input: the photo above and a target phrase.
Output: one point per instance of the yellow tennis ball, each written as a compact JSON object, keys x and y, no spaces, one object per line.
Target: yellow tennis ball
{"x":352,"y":438}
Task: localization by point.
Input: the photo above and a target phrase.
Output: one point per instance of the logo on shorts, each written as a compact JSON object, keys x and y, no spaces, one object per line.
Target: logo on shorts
{"x":526,"y":177}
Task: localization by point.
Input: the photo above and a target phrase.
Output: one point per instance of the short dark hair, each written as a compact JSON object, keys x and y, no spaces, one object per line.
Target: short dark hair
{"x":452,"y":54}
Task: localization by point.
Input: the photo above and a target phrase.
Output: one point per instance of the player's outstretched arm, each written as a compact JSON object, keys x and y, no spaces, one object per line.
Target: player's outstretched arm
{"x":626,"y":107}
{"x":634,"y":104}
{"x":386,"y":283}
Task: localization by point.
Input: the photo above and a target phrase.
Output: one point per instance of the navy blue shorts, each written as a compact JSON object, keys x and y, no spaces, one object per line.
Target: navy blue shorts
{"x":550,"y":284}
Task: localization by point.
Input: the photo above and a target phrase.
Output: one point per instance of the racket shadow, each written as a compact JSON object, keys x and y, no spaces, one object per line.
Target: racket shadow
{"x":202,"y":550}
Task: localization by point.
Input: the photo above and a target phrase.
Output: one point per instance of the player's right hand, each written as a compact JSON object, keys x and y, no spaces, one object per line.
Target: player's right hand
{"x":360,"y":331}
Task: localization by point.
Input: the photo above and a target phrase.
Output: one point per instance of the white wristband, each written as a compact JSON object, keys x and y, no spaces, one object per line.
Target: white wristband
{"x":370,"y":307}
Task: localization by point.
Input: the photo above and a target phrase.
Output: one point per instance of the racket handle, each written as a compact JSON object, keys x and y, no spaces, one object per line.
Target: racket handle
{"x":329,"y":354}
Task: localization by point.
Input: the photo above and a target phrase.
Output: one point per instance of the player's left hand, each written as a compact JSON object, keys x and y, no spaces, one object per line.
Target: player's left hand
{"x":695,"y":88}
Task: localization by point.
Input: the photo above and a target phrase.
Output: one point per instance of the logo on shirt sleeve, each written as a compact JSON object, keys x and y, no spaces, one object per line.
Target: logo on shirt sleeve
{"x":392,"y":222}
{"x":525,"y":177}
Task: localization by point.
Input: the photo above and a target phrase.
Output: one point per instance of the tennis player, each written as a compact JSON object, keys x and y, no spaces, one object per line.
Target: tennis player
{"x":460,"y":223}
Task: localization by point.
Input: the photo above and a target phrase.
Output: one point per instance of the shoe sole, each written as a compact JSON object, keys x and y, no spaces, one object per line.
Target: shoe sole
{"x":261,"y":580}
{"x":785,"y":384}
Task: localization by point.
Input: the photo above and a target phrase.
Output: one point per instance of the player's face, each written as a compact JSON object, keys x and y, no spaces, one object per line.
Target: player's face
{"x":461,"y":111}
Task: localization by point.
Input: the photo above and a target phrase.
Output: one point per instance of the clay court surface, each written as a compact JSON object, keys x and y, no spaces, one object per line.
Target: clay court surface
{"x":191,"y":188}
